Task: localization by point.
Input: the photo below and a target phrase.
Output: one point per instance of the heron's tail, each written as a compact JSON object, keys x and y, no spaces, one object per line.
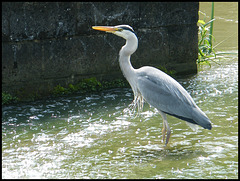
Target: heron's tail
{"x":201,"y":119}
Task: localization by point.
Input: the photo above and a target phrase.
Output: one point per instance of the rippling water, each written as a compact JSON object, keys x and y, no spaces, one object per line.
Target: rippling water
{"x":92,"y":136}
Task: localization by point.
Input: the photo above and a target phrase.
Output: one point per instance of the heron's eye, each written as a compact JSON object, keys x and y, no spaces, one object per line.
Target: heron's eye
{"x":120,"y":29}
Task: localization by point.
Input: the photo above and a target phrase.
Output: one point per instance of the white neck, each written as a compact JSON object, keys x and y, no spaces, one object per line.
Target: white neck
{"x":124,"y":60}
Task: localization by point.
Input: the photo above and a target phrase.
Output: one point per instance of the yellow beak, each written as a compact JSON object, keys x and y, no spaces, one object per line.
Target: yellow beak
{"x":105,"y":28}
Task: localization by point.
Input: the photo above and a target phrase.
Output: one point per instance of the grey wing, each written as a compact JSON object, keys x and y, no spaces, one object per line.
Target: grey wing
{"x":163,"y":96}
{"x":167,"y":95}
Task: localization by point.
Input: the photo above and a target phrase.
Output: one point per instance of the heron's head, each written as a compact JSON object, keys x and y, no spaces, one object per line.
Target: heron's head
{"x":124,"y":31}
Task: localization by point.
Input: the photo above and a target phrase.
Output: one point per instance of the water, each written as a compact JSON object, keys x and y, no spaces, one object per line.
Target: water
{"x":225,"y":26}
{"x":92,"y":136}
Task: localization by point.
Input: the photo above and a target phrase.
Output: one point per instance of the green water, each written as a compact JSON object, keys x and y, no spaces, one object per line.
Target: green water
{"x":93,"y":136}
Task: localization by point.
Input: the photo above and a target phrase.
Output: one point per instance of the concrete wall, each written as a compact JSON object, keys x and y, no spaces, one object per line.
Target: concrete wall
{"x":48,"y":43}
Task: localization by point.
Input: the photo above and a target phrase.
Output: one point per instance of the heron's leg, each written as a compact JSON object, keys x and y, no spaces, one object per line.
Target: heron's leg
{"x":163,"y":131}
{"x":168,"y":132}
{"x":166,"y":128}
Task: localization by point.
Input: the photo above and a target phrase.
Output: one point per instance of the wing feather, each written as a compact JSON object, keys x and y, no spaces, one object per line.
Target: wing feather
{"x":167,"y":95}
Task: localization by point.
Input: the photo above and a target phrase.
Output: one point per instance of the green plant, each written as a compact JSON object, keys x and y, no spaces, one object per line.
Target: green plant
{"x":92,"y":83}
{"x":206,"y":50}
{"x":8,"y":98}
{"x":83,"y":86}
{"x":59,"y":90}
{"x":205,"y":46}
{"x":117,"y":83}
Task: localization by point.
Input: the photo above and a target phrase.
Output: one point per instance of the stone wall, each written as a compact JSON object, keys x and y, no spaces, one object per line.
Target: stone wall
{"x":48,"y":43}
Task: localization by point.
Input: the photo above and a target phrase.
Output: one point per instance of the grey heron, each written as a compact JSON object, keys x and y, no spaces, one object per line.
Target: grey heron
{"x":154,"y":86}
